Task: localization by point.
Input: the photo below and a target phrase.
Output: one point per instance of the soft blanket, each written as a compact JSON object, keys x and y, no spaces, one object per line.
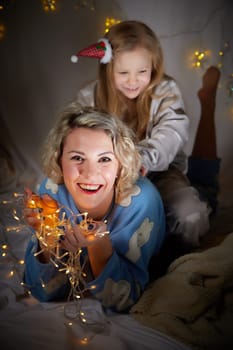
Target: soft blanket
{"x":193,"y":302}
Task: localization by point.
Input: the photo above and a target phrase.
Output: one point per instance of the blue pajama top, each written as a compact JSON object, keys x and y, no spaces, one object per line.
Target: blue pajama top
{"x":136,"y":227}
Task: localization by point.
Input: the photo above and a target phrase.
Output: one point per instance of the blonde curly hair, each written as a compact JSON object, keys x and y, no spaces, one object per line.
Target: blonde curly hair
{"x":123,"y":140}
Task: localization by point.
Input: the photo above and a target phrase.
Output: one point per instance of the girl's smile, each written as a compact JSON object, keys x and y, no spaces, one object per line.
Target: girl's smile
{"x":132,"y":71}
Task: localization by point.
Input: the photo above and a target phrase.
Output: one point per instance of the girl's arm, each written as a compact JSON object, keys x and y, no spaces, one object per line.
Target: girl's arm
{"x":168,"y":129}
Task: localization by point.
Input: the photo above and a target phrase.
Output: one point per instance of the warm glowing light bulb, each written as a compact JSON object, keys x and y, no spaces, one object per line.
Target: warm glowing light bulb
{"x":84,"y":340}
{"x":16,"y":217}
{"x":2,"y":31}
{"x":110,"y":21}
{"x":16,"y":194}
{"x":201,"y":56}
{"x":49,"y":5}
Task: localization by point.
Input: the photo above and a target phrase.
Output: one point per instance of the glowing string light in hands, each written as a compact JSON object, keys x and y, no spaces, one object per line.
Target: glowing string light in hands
{"x":51,"y":226}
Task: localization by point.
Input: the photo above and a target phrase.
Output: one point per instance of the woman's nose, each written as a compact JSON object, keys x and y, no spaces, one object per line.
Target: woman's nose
{"x":90,"y":169}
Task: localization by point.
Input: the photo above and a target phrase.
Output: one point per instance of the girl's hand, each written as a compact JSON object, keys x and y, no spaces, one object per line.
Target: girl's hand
{"x":143,"y":171}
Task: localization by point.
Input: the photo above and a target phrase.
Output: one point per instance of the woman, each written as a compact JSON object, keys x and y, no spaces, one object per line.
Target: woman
{"x":92,"y":167}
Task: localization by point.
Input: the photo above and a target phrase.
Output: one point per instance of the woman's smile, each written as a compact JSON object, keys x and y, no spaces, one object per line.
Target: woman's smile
{"x":90,"y":169}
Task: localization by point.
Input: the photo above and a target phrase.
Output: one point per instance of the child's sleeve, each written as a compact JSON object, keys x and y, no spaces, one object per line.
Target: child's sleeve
{"x":168,"y":129}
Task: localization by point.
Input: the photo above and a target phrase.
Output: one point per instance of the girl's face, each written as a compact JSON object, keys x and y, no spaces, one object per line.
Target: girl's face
{"x":132,"y":71}
{"x":89,"y":170}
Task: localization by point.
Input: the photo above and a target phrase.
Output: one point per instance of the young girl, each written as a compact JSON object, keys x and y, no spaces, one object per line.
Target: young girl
{"x":133,"y":86}
{"x":92,"y":167}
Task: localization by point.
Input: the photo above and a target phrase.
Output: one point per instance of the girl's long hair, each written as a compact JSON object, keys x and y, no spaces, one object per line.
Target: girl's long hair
{"x":126,"y":36}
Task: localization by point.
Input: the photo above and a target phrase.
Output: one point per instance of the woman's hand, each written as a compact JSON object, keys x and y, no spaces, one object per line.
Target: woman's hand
{"x":42,"y":214}
{"x":32,"y":213}
{"x":83,"y":235}
{"x":95,"y":238}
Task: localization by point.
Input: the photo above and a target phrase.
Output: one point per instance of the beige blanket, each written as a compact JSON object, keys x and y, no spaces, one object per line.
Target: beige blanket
{"x":193,"y":302}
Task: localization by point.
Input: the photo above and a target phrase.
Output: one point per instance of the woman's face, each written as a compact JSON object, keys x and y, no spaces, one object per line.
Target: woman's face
{"x":90,"y":169}
{"x":132,"y":71}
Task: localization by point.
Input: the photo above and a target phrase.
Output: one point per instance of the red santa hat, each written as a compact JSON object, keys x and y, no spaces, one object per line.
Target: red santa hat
{"x":102,"y":50}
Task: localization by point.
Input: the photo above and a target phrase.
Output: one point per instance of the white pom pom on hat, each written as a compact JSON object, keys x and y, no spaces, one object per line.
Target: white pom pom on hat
{"x":74,"y":58}
{"x":101,"y":50}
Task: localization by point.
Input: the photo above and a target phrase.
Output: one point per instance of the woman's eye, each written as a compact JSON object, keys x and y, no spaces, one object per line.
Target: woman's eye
{"x":105,"y":160}
{"x":77,"y":158}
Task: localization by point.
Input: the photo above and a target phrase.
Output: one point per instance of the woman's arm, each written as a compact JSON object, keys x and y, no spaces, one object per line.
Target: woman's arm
{"x":137,"y":231}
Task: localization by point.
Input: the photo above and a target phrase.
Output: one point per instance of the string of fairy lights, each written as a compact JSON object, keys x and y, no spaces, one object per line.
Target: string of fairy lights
{"x":51,"y":225}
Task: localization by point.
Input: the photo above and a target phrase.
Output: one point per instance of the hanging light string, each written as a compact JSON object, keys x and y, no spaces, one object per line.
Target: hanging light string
{"x":51,"y":226}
